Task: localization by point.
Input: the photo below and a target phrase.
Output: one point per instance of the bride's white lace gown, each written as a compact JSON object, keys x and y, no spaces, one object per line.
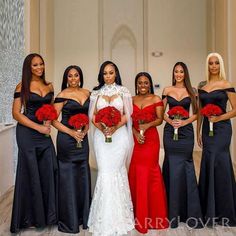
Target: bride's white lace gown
{"x":111,"y":211}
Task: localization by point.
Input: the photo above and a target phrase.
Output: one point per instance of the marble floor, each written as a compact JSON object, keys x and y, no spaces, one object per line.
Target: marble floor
{"x":182,"y":230}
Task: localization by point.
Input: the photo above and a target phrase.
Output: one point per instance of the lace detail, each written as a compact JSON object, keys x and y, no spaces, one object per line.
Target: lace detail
{"x":116,"y":102}
{"x":111,"y":211}
{"x":110,"y":90}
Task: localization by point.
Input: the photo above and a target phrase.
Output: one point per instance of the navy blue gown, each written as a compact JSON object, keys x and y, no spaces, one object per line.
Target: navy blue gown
{"x":217,"y":182}
{"x":178,"y":172}
{"x":74,"y":195}
{"x":34,"y":202}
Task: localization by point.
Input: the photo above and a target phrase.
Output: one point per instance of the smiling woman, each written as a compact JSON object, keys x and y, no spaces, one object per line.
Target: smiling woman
{"x":35,"y":191}
{"x":111,"y":210}
{"x":145,"y":178}
{"x":178,"y":167}
{"x":74,"y":170}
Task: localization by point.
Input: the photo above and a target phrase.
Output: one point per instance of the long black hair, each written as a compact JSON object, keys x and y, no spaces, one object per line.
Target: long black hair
{"x":65,"y":76}
{"x":147,"y":75}
{"x":187,"y":84}
{"x":27,"y":77}
{"x":101,"y":76}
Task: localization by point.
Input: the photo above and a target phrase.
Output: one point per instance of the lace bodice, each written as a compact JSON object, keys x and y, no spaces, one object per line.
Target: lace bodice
{"x":117,"y":102}
{"x":111,"y":90}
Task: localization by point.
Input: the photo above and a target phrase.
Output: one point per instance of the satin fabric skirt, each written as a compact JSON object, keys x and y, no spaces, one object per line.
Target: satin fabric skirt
{"x":147,"y":185}
{"x":180,"y":179}
{"x":74,"y":191}
{"x":217,"y":182}
{"x":34,"y":202}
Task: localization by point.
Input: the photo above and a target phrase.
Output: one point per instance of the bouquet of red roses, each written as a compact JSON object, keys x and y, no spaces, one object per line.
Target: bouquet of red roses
{"x":45,"y":113}
{"x":178,"y":113}
{"x":141,"y":117}
{"x":211,"y":110}
{"x":108,"y":116}
{"x":78,"y":122}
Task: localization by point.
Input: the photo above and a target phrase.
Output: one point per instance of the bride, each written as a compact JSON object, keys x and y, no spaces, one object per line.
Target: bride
{"x":111,"y":212}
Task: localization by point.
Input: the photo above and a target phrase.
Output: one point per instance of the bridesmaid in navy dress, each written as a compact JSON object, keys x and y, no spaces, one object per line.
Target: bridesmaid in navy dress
{"x":34,"y":202}
{"x":74,"y":194}
{"x":178,"y":167}
{"x":217,"y":182}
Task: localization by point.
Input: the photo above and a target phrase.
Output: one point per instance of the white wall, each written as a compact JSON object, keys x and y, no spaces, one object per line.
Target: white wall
{"x":76,"y":39}
{"x":178,"y":30}
{"x":7,"y":136}
{"x":86,"y":30}
{"x":232,"y":62}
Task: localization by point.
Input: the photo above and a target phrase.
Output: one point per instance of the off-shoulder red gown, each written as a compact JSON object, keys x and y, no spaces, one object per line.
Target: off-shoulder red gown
{"x":145,"y":179}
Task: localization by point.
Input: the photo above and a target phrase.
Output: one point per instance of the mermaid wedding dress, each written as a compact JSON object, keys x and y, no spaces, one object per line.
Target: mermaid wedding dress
{"x":111,"y":211}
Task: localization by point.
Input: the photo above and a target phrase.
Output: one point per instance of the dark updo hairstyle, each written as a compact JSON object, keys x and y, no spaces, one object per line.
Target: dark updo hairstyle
{"x":101,"y":75}
{"x":147,"y":75}
{"x":187,"y":84}
{"x":27,"y":77}
{"x":65,"y":76}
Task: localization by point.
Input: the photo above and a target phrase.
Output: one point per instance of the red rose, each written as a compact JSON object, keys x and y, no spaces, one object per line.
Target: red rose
{"x":109,"y":116}
{"x":78,"y":121}
{"x":46,"y":112}
{"x":211,"y":110}
{"x":178,"y":112}
{"x":142,"y":117}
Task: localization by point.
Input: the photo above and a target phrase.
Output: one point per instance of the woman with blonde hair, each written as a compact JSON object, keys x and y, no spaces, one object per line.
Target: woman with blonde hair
{"x":217,"y":183}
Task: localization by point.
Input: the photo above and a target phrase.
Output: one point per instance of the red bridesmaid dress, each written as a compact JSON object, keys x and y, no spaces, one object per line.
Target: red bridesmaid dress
{"x":145,"y":179}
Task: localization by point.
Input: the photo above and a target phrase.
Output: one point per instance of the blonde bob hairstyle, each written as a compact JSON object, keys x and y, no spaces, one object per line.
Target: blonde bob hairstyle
{"x":222,"y":68}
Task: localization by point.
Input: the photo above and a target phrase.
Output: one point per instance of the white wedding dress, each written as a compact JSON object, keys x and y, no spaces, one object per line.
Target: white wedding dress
{"x":111,"y":211}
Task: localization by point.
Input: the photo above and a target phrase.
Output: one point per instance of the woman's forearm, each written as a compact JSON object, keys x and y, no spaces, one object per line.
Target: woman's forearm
{"x":23,"y":120}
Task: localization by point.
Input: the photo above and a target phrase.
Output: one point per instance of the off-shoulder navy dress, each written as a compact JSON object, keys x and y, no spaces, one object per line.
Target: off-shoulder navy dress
{"x":74,"y":195}
{"x":178,"y":172}
{"x":217,"y":182}
{"x":34,"y":202}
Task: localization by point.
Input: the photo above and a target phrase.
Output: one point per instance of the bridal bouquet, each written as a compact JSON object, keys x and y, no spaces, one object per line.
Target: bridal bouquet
{"x":141,"y":117}
{"x":78,"y":122}
{"x":211,"y":110}
{"x":178,"y":113}
{"x":45,"y":113}
{"x":108,"y":116}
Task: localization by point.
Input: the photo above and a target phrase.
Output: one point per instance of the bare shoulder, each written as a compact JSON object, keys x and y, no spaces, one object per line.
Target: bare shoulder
{"x":156,"y":98}
{"x":226,"y":84}
{"x":18,"y":87}
{"x":166,"y":90}
{"x":134,"y":98}
{"x":62,"y":94}
{"x":85,"y":91}
{"x":50,"y":85}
